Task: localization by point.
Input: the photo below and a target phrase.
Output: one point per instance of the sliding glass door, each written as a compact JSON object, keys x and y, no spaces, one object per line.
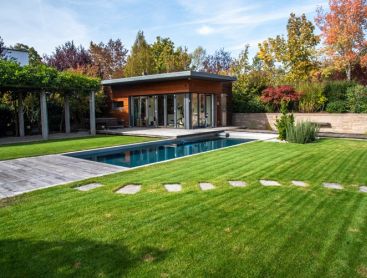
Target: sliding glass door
{"x":170,"y":110}
{"x":202,"y":110}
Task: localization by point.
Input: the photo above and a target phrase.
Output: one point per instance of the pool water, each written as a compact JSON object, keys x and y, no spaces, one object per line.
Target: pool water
{"x":147,"y":154}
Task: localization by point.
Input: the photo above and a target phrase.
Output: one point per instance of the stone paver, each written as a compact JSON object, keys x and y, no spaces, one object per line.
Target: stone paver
{"x":173,"y":187}
{"x":206,"y":186}
{"x":363,"y":189}
{"x":237,"y":183}
{"x":22,"y":175}
{"x":332,"y":185}
{"x":299,"y":183}
{"x":269,"y":183}
{"x":129,"y":189}
{"x":88,"y":187}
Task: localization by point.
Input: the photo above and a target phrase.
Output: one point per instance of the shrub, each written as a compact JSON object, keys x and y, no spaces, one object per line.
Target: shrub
{"x":337,"y":106}
{"x":357,"y":99}
{"x":275,"y":96}
{"x":302,"y":133}
{"x":337,"y":90}
{"x":283,"y":122}
{"x":312,"y":97}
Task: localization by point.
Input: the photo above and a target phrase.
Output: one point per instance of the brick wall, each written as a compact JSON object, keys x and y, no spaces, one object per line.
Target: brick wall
{"x":339,"y":123}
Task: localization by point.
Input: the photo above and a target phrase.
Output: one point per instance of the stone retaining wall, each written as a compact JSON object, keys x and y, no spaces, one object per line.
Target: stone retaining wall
{"x":337,"y":123}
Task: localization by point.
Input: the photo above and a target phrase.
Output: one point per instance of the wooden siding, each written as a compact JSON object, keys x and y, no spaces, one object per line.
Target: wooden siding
{"x":123,"y":113}
{"x":152,"y":88}
{"x":122,"y":92}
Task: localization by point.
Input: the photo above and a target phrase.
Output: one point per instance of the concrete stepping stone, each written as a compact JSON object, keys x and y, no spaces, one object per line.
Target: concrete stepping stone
{"x":206,"y":186}
{"x":88,"y":187}
{"x":237,"y":183}
{"x":332,"y":185}
{"x":173,"y":187}
{"x":269,"y":183}
{"x":299,"y":183}
{"x":363,"y":189}
{"x":129,"y":189}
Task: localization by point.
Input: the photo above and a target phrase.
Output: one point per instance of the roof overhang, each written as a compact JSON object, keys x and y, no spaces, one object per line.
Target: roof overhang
{"x":169,"y":76}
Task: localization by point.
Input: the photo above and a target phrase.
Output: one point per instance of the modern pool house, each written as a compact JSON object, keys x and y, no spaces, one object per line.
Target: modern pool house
{"x":186,"y":99}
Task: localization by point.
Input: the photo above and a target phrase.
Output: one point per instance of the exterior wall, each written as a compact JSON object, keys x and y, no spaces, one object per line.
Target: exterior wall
{"x":22,"y":57}
{"x":339,"y":123}
{"x":220,"y":89}
{"x":122,"y":113}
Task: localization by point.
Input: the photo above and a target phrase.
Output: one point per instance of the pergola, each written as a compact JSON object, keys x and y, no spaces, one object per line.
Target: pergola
{"x":43,"y":80}
{"x":44,"y":114}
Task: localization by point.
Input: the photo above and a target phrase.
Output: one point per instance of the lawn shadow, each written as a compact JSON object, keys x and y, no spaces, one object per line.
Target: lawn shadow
{"x":85,"y":258}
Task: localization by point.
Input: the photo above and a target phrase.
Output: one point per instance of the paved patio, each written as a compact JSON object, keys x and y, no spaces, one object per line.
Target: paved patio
{"x":22,"y":175}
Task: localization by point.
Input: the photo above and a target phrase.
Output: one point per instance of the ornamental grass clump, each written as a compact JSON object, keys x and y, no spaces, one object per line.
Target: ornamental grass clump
{"x":302,"y":132}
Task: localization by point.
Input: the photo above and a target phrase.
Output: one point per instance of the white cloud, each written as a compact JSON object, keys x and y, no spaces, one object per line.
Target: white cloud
{"x":205,"y":30}
{"x":40,"y":24}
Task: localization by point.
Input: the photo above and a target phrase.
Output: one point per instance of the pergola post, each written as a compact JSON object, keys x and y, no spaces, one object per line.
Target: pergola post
{"x":44,"y":116}
{"x":67,"y":113}
{"x":21,"y":114}
{"x":92,"y":113}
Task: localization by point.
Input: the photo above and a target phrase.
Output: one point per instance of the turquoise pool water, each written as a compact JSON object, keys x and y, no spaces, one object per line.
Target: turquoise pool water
{"x":151,"y":153}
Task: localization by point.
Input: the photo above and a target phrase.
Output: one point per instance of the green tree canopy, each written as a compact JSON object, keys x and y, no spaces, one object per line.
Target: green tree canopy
{"x":296,"y":53}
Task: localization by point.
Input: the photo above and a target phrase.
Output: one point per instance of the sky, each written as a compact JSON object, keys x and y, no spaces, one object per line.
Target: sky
{"x":212,"y":24}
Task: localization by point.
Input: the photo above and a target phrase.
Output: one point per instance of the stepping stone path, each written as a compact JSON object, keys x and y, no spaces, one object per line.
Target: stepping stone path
{"x":173,"y":187}
{"x":237,"y":183}
{"x":206,"y":186}
{"x":332,"y":185}
{"x":299,"y":183}
{"x":269,"y":183}
{"x":88,"y":187}
{"x":129,"y":189}
{"x":363,"y":189}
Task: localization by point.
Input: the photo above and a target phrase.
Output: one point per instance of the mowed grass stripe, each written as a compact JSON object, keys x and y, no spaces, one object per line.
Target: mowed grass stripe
{"x":233,"y":232}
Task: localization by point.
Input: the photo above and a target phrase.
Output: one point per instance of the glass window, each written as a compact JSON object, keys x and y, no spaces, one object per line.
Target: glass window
{"x":151,"y":111}
{"x":117,"y":105}
{"x":194,"y":109}
{"x":170,"y":110}
{"x":180,"y":114}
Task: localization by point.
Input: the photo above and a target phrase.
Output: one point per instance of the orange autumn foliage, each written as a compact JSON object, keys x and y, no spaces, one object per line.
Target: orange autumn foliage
{"x":343,"y":29}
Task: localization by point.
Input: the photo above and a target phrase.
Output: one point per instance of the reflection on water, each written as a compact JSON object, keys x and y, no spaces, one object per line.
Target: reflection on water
{"x":155,"y":153}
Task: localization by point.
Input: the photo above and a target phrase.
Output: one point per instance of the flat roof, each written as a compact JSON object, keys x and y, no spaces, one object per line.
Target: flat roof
{"x":169,"y":76}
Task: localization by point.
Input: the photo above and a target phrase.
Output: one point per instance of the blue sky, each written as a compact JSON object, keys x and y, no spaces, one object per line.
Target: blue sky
{"x":211,"y":24}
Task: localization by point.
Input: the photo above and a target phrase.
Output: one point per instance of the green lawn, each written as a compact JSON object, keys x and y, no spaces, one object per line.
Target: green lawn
{"x":65,"y":145}
{"x":227,"y":232}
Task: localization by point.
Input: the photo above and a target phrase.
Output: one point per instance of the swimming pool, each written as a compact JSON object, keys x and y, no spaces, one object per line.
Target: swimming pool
{"x":147,"y":153}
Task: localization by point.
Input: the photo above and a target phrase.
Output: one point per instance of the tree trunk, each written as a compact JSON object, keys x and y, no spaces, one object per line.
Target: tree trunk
{"x":349,"y":72}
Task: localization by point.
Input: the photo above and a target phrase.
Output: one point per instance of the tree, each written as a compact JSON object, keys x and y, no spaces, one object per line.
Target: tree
{"x":69,"y":56}
{"x":34,"y":57}
{"x":1,"y":47}
{"x":140,"y":60}
{"x":221,"y":61}
{"x":198,"y":57}
{"x":344,"y":31}
{"x":241,"y":65}
{"x":109,"y":58}
{"x":296,"y":53}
